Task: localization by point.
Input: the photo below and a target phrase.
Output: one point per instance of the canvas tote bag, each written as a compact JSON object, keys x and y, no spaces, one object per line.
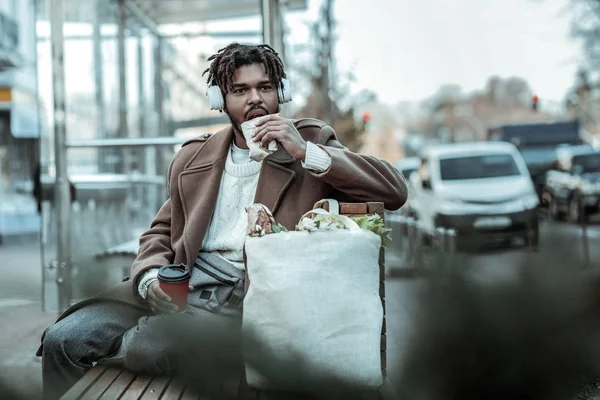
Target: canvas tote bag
{"x":312,"y":312}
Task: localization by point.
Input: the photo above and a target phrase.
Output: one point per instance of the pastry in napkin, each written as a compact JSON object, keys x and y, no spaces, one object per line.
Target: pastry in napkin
{"x":257,"y":152}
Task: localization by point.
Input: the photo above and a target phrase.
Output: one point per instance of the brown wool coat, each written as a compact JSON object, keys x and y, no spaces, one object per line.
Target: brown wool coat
{"x":289,"y":190}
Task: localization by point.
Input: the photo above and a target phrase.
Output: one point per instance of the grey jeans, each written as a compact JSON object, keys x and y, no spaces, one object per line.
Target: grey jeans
{"x":195,"y":343}
{"x":73,"y":344}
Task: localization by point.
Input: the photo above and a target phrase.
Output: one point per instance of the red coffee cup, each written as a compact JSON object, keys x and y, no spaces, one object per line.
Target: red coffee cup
{"x":174,"y":280}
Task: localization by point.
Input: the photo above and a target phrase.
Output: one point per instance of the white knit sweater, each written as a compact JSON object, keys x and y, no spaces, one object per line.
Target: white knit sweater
{"x":227,"y":230}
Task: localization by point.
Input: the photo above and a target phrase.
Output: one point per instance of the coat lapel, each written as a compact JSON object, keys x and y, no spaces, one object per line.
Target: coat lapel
{"x":276,"y":175}
{"x":199,"y":184}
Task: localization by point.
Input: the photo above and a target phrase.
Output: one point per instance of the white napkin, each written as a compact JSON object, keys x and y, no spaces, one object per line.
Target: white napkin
{"x":257,"y":152}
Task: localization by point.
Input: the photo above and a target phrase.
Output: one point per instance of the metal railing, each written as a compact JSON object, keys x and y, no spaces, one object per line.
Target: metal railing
{"x":107,"y":210}
{"x":412,"y":248}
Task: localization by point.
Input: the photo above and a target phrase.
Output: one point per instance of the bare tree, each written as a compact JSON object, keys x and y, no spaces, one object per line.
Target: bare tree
{"x":326,"y":95}
{"x":586,"y":27}
{"x":446,"y":94}
{"x":516,"y":91}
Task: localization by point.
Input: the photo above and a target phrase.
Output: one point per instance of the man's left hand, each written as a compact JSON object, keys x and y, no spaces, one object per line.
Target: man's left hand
{"x":274,"y":127}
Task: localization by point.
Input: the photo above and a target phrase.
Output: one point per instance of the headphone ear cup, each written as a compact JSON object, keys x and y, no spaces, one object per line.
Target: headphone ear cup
{"x":284,"y":91}
{"x":215,"y":98}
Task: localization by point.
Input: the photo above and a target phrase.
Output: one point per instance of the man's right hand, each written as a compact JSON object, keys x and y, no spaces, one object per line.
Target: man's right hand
{"x":159,"y":301}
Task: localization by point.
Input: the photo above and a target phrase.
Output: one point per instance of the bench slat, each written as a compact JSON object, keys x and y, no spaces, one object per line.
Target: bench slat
{"x":83,"y":384}
{"x":137,"y":388}
{"x":156,"y":389}
{"x":102,"y":384}
{"x":353,"y":208}
{"x":375,"y":207}
{"x":119,"y":386}
{"x":175,"y":390}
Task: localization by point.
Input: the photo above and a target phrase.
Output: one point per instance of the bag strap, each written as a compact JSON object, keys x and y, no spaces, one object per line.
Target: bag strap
{"x":333,"y":206}
{"x":349,"y":223}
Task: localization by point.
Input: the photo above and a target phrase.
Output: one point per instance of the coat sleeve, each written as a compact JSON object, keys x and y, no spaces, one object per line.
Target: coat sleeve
{"x":361,"y":177}
{"x":155,"y":244}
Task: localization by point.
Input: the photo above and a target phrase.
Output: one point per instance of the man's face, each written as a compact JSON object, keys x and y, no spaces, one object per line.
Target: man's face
{"x":252,"y":95}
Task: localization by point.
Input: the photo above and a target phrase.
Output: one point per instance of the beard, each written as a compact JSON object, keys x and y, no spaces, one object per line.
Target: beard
{"x":237,"y":125}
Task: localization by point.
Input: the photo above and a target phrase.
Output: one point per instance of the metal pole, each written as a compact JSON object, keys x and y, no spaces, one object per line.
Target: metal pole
{"x":411,"y":234}
{"x":126,"y":142}
{"x":272,"y":26}
{"x":440,"y":244}
{"x":224,"y":35}
{"x":149,"y":154}
{"x":584,"y":235}
{"x":98,"y":72}
{"x":279,"y":32}
{"x":419,"y":239}
{"x":451,"y":237}
{"x":272,"y":30}
{"x":159,"y":96}
{"x":329,"y":70}
{"x":99,"y":83}
{"x":41,"y":145}
{"x":401,"y":237}
{"x":61,"y":191}
{"x":158,"y":83}
{"x":141,"y":86}
{"x":266,"y":9}
{"x":123,"y":128}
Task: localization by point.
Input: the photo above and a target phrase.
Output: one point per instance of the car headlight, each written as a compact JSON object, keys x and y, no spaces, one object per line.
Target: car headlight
{"x":451,"y":206}
{"x":452,"y":201}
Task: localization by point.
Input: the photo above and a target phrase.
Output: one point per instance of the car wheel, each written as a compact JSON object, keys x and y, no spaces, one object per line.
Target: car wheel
{"x":532,"y":238}
{"x":575,"y":210}
{"x":555,"y":213}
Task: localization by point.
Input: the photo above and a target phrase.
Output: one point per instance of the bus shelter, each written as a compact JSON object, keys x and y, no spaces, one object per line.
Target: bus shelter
{"x":120,"y":88}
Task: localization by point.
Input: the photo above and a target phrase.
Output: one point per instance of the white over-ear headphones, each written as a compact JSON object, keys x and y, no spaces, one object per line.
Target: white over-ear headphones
{"x":217,"y":102}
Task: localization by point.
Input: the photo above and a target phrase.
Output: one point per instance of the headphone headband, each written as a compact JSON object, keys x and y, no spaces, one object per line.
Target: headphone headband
{"x":216,"y":101}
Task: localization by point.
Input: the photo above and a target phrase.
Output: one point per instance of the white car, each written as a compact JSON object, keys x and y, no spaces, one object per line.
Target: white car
{"x":574,"y":186}
{"x":482,"y":190}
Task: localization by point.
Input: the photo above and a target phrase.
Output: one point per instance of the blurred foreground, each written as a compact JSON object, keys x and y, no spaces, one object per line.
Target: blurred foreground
{"x":509,"y":323}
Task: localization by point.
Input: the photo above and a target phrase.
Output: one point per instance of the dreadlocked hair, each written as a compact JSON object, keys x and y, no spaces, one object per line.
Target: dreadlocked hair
{"x":228,"y":59}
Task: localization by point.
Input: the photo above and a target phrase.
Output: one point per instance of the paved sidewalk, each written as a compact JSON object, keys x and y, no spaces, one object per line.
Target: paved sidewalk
{"x":21,"y":316}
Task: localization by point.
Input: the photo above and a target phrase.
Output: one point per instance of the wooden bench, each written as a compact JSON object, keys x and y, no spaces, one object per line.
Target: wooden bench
{"x":109,"y":383}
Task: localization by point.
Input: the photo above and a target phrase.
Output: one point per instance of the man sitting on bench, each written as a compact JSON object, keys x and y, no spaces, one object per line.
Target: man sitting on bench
{"x":212,"y":180}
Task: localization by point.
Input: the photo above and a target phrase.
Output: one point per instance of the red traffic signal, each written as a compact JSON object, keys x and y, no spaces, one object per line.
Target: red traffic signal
{"x":534,"y":102}
{"x":366,"y":116}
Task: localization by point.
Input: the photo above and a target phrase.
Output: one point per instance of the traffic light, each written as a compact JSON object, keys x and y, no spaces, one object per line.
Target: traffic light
{"x":366,"y":117}
{"x":534,"y":102}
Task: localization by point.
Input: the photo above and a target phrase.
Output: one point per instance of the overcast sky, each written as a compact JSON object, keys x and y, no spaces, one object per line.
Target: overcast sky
{"x":405,"y":49}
